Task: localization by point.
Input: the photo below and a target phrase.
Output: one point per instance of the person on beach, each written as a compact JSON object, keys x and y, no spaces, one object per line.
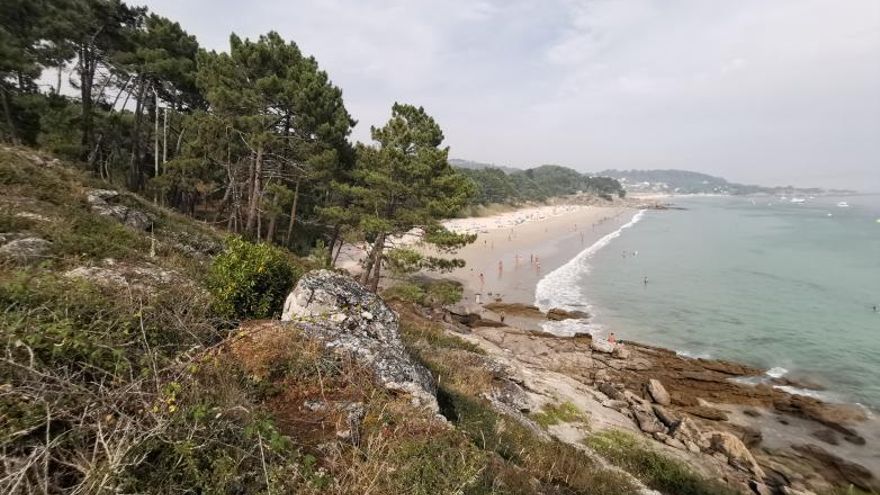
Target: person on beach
{"x":501,"y":315}
{"x":500,"y":268}
{"x":612,"y":339}
{"x":646,"y":281}
{"x":482,"y":281}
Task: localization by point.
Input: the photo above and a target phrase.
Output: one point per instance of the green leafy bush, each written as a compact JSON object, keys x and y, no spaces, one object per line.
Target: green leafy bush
{"x":251,"y":280}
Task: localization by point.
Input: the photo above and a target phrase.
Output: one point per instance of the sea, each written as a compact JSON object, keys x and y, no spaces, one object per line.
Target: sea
{"x":791,"y":287}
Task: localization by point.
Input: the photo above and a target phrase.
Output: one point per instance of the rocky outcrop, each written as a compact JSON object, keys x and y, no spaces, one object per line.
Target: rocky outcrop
{"x":101,"y":201}
{"x":346,"y":317}
{"x":736,"y":452}
{"x":142,"y":277}
{"x":658,"y":392}
{"x":703,"y":397}
{"x":848,"y":471}
{"x":602,"y":346}
{"x":26,"y":250}
{"x":557,"y":314}
{"x":707,"y":412}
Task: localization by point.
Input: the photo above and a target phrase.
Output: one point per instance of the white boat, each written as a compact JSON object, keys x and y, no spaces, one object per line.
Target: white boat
{"x":843,"y":204}
{"x":797,"y":200}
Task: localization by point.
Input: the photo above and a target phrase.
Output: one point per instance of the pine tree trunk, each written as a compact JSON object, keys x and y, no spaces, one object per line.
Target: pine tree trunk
{"x":333,"y":238}
{"x":12,"y":134}
{"x":374,"y":257}
{"x":270,"y":235}
{"x":164,"y":138}
{"x":155,"y":140}
{"x":377,"y":268}
{"x":338,"y":252}
{"x":289,"y":235}
{"x":256,"y":189}
{"x":85,"y":87}
{"x":134,"y":167}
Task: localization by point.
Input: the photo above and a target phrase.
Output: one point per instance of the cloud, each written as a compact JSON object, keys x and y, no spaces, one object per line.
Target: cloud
{"x":757,"y":91}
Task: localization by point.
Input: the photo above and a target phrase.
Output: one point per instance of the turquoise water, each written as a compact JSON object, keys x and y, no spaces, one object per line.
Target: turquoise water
{"x":782,"y":286}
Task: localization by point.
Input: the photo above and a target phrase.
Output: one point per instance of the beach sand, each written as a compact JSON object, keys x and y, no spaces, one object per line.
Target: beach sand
{"x":509,"y":244}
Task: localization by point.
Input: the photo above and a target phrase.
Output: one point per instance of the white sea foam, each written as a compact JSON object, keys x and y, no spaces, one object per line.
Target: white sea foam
{"x":694,"y":355}
{"x":559,"y":288}
{"x":776,"y":372}
{"x":805,"y":392}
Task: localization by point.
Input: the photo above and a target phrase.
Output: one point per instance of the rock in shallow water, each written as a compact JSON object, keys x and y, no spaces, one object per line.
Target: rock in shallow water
{"x":349,"y":318}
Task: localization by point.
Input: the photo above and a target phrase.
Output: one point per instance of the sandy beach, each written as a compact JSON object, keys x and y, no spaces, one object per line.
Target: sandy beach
{"x":514,"y":250}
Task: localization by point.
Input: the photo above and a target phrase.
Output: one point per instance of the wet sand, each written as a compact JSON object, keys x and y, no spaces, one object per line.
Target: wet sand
{"x":507,"y":261}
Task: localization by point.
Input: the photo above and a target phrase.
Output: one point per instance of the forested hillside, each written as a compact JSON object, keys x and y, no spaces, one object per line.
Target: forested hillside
{"x":494,"y":185}
{"x":254,"y":139}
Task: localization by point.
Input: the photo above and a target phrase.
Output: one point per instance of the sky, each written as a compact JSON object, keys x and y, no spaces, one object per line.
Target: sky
{"x":772,"y":92}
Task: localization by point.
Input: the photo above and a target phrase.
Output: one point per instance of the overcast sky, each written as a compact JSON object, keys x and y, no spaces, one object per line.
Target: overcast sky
{"x":773,"y":92}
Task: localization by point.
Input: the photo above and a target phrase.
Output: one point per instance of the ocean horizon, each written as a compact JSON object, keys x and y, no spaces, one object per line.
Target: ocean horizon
{"x":786,"y":286}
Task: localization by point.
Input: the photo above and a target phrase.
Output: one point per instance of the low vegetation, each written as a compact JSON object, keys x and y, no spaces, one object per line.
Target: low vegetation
{"x":116,"y":387}
{"x":654,"y":469}
{"x":556,"y":413}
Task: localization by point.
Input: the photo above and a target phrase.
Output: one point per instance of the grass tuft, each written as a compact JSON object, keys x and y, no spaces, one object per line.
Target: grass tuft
{"x":565,"y":412}
{"x":654,"y":469}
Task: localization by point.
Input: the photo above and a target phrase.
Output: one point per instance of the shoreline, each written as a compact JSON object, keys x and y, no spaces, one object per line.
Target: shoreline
{"x":611,"y":220}
{"x":735,"y":388}
{"x":513,"y":254}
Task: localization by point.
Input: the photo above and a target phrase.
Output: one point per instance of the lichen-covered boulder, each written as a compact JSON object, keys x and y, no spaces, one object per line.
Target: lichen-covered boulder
{"x":100,"y":201}
{"x":26,"y":250}
{"x":347,"y":317}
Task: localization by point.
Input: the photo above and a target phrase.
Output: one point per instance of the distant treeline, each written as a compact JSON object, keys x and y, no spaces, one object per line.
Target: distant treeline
{"x":494,"y":185}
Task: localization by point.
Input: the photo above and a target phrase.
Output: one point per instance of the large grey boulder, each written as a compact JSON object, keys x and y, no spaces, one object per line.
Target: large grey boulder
{"x":347,"y":317}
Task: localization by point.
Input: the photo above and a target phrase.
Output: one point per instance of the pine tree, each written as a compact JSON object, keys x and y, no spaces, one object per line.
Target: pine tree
{"x":404,"y":182}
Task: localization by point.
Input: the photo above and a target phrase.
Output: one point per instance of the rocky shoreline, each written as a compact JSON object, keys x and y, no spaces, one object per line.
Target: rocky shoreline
{"x":705,"y":409}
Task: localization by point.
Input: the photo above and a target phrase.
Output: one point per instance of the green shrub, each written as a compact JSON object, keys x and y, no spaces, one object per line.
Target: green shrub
{"x":251,"y":280}
{"x":654,"y":469}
